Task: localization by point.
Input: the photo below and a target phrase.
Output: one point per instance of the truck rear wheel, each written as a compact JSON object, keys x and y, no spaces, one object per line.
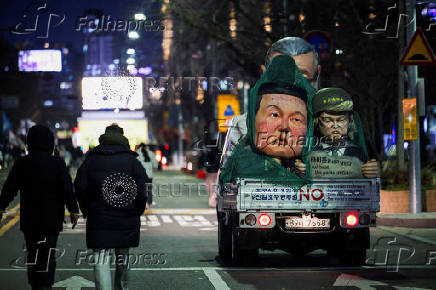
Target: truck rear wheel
{"x":355,"y":257}
{"x":351,"y":250}
{"x":224,"y":240}
{"x":242,"y":257}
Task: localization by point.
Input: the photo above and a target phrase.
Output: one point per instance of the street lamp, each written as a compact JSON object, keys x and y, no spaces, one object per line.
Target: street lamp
{"x":133,"y":35}
{"x":140,"y":16}
{"x":130,"y":60}
{"x":130,"y":51}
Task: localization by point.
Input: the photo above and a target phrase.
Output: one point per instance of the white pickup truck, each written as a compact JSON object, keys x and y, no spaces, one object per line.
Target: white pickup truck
{"x":330,"y":214}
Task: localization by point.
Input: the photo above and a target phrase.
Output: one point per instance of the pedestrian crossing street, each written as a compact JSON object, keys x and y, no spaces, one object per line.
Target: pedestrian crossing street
{"x":201,"y":219}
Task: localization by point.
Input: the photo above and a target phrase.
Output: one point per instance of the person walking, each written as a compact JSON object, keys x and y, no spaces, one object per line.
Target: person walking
{"x":148,"y":161}
{"x":45,"y":188}
{"x":110,"y":186}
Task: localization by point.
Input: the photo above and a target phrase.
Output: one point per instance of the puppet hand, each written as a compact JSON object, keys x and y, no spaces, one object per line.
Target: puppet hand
{"x":300,"y":165}
{"x":371,"y":169}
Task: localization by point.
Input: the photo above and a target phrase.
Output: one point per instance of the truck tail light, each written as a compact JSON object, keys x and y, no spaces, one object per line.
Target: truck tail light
{"x":351,"y":220}
{"x":264,"y":220}
{"x":364,"y":219}
{"x":250,"y":220}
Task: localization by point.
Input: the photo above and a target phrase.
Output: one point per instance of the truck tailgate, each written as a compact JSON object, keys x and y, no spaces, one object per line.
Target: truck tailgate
{"x":321,"y":194}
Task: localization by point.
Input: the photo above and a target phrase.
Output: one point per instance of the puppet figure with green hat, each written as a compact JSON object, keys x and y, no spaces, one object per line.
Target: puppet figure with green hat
{"x":338,"y":128}
{"x":279,"y":118}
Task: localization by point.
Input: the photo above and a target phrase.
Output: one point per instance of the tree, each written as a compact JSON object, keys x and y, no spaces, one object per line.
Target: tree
{"x":243,"y":30}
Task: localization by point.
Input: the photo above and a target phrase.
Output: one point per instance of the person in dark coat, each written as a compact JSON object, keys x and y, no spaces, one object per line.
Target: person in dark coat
{"x":45,"y":188}
{"x":110,"y":186}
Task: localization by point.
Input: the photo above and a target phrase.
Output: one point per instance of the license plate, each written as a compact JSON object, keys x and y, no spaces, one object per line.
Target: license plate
{"x":307,"y":223}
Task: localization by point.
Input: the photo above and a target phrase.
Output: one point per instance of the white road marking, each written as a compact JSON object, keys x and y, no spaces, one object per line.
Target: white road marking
{"x":74,"y":283}
{"x":356,"y":281}
{"x":364,"y":284}
{"x":152,"y":221}
{"x":193,"y":220}
{"x":203,"y":220}
{"x":166,"y":219}
{"x":293,"y":269}
{"x":179,"y":211}
{"x":184,"y":220}
{"x":209,"y":229}
{"x":215,"y":279}
{"x":413,"y":237}
{"x":408,"y":288}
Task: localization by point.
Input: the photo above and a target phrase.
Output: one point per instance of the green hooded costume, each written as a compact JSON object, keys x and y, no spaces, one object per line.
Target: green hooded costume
{"x":246,"y":161}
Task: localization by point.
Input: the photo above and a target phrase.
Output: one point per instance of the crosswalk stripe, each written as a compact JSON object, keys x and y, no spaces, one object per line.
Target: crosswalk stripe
{"x":12,"y":222}
{"x":201,"y":222}
{"x":166,"y":219}
{"x":152,"y":221}
{"x":205,"y":211}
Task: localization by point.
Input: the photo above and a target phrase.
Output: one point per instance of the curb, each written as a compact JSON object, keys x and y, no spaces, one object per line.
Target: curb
{"x":406,"y":222}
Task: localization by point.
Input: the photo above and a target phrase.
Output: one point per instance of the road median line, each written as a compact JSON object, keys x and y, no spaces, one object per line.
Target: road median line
{"x":12,"y":222}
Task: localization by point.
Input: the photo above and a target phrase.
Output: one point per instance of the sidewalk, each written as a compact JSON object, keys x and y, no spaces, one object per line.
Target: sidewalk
{"x":407,"y":220}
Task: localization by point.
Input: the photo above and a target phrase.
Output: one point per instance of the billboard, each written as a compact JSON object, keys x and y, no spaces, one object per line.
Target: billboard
{"x":40,"y":60}
{"x":111,"y":93}
{"x":92,"y":124}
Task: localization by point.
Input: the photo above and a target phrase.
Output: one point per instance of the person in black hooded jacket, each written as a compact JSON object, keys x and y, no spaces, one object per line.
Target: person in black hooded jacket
{"x":45,"y":188}
{"x":110,"y":186}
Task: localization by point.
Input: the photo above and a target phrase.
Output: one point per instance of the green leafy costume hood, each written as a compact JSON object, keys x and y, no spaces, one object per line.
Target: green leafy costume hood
{"x":246,"y":161}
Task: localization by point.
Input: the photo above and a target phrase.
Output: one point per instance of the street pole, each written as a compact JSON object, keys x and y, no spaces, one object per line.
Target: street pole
{"x":178,"y":103}
{"x":181,"y":134}
{"x":285,"y":18}
{"x":414,"y":145}
{"x":245,"y":90}
{"x":401,"y":166}
{"x":212,"y":93}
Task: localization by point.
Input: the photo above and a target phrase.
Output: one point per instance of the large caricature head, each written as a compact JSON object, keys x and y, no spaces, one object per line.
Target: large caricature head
{"x":305,"y":56}
{"x":332,"y":108}
{"x":278,"y":115}
{"x":281,"y":120}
